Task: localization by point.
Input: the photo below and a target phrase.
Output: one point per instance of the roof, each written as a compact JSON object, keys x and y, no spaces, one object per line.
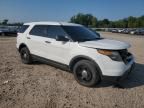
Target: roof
{"x":51,"y":23}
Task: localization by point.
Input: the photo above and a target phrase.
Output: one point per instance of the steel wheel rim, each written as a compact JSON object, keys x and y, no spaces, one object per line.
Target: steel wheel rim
{"x":24,"y":55}
{"x":83,"y":73}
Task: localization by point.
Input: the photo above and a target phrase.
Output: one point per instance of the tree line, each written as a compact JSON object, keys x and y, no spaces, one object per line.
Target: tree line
{"x":5,"y":22}
{"x":91,"y":21}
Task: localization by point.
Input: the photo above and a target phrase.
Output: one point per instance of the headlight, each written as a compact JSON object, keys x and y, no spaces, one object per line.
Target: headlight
{"x":114,"y":55}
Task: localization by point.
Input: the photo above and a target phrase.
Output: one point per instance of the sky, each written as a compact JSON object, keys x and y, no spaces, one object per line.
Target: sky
{"x":62,"y":10}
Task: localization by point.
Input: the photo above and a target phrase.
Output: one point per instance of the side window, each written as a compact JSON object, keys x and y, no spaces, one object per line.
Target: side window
{"x":39,"y":30}
{"x":23,"y":28}
{"x":54,"y":31}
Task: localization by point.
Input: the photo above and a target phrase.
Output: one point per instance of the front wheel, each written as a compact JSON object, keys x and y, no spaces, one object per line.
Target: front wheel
{"x":25,"y":56}
{"x":85,"y":73}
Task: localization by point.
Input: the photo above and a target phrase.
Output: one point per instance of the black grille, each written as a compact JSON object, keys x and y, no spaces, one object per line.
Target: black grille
{"x":125,"y":55}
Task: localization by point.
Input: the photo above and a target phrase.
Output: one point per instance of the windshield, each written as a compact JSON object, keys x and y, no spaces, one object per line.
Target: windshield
{"x":80,"y":33}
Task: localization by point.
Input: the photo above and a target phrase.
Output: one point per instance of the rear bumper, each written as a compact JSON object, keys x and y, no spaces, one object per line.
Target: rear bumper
{"x":118,"y":78}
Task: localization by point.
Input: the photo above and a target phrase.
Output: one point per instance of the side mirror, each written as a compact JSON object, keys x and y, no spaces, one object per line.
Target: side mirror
{"x":61,"y":38}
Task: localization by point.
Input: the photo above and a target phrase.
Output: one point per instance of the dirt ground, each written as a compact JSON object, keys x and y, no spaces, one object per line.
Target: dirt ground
{"x":42,"y":86}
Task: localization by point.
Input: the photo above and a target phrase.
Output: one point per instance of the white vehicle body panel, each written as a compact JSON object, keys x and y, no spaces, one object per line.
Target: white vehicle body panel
{"x":106,"y":44}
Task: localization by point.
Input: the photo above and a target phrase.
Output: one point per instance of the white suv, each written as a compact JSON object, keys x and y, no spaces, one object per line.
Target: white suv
{"x":76,"y":48}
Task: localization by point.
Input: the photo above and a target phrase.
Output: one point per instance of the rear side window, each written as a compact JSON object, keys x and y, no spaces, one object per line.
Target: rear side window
{"x":39,"y":30}
{"x":23,"y":28}
{"x":50,"y":31}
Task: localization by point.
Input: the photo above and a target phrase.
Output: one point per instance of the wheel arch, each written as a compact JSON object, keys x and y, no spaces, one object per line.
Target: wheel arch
{"x":82,"y":57}
{"x":22,"y":45}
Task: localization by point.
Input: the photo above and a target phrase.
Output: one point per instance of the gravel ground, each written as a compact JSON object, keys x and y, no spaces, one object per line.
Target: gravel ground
{"x":42,"y":86}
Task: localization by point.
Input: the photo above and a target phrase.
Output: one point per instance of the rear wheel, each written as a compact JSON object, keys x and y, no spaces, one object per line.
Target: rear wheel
{"x":25,"y":56}
{"x":85,"y":73}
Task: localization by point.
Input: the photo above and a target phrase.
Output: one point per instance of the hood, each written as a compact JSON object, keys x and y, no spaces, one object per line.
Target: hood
{"x":105,"y":44}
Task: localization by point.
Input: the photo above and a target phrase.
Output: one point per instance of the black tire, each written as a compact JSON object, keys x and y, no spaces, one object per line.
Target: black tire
{"x":86,"y":73}
{"x":3,"y":34}
{"x":25,"y":56}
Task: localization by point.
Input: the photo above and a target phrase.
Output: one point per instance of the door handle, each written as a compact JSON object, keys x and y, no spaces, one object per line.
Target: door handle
{"x":47,"y":42}
{"x":28,"y":38}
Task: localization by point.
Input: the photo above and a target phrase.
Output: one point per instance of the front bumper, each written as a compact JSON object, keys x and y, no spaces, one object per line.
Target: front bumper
{"x":118,"y":78}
